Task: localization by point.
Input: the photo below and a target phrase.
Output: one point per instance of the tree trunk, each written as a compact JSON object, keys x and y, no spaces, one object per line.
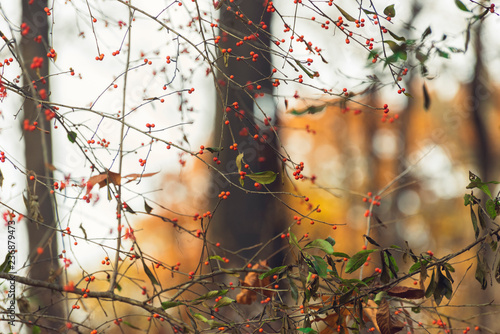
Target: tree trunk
{"x":479,"y":95}
{"x":38,"y":153}
{"x":246,"y":219}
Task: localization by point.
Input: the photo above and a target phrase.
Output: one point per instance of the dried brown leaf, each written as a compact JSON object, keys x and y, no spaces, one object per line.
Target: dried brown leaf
{"x":370,"y":313}
{"x":385,"y":322}
{"x":135,"y":176}
{"x":247,"y":296}
{"x":331,"y":323}
{"x":406,"y":292}
{"x":113,"y":178}
{"x":93,"y":180}
{"x":50,"y":167}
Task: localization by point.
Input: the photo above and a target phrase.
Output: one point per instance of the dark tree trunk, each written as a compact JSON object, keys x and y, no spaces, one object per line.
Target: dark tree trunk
{"x":480,"y":94}
{"x":246,"y":219}
{"x":38,"y":153}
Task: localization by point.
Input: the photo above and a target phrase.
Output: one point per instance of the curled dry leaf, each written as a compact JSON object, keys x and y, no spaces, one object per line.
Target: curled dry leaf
{"x":93,"y":180}
{"x":386,"y":323}
{"x":370,"y":313}
{"x":133,"y":177}
{"x":332,"y":320}
{"x":406,"y":292}
{"x":50,"y":167}
{"x":247,"y":296}
{"x":113,"y":178}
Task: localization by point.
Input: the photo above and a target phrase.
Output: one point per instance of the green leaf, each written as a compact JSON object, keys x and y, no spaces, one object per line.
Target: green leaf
{"x":308,"y":330}
{"x":482,"y":218}
{"x":216,"y":257}
{"x":36,"y":330}
{"x":421,"y":57}
{"x":482,"y":271}
{"x":331,"y":263}
{"x":72,"y":136}
{"x":477,"y":183}
{"x":371,"y":240}
{"x":214,"y":324}
{"x":427,"y":97}
{"x":294,"y":291}
{"x":357,"y":260}
{"x":308,"y":110}
{"x":170,"y":304}
{"x":393,"y":45}
{"x":214,"y":149}
{"x":455,"y":50}
{"x":449,"y":267}
{"x":1,"y":179}
{"x":130,"y":210}
{"x":7,"y":263}
{"x":320,"y":266}
{"x":402,"y":55}
{"x":266,"y":177}
{"x":324,"y":245}
{"x":461,"y":6}
{"x":448,"y":274}
{"x":345,"y":14}
{"x":385,"y":276}
{"x":432,"y":285}
{"x":198,"y":316}
{"x":379,"y":296}
{"x":346,"y":296}
{"x":492,"y":208}
{"x":353,"y":282}
{"x":130,"y":325}
{"x":390,"y":11}
{"x":212,"y":294}
{"x":443,"y":54}
{"x":340,"y":254}
{"x":417,"y":265}
{"x":226,"y":59}
{"x":426,"y":33}
{"x":391,"y":263}
{"x":148,"y":272}
{"x":272,"y":272}
{"x":293,"y":239}
{"x":224,"y":301}
{"x":239,"y":158}
{"x":474,"y":222}
{"x":468,"y":199}
{"x":306,"y":71}
{"x":331,"y":241}
{"x":443,"y":288}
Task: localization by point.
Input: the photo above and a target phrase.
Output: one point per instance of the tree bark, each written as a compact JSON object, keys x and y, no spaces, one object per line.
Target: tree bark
{"x":247,"y":219}
{"x":38,"y":154}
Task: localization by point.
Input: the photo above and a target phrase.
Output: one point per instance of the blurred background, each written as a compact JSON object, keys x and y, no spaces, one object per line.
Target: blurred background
{"x":446,"y":128}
